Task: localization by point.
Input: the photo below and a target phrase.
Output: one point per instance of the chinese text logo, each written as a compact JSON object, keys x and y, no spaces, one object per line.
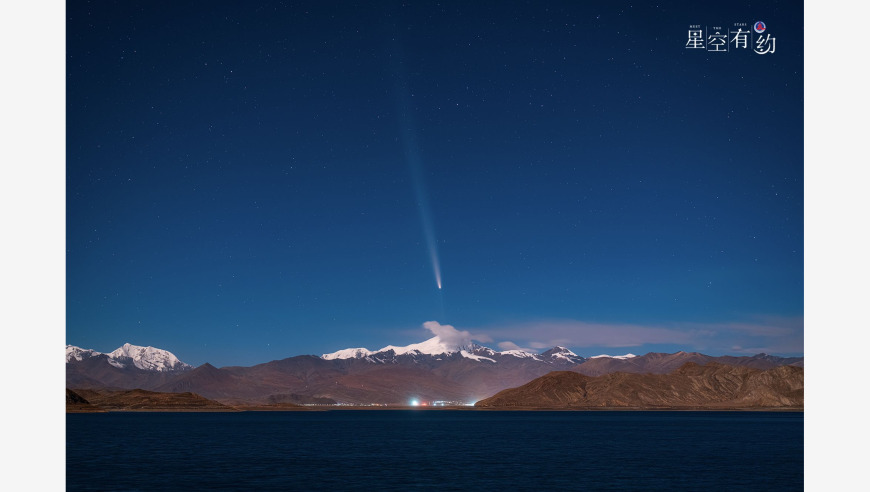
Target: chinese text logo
{"x":736,"y":37}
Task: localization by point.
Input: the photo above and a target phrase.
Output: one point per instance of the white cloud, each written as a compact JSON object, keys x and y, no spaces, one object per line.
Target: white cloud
{"x":453,"y":337}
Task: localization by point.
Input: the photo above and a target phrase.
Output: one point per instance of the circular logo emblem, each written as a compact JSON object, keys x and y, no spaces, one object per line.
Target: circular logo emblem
{"x":759,"y":27}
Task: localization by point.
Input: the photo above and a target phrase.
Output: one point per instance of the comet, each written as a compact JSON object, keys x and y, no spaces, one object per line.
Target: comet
{"x":415,"y":166}
{"x":425,"y":215}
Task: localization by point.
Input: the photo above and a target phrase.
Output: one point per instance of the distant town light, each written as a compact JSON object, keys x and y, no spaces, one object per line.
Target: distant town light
{"x":415,"y":403}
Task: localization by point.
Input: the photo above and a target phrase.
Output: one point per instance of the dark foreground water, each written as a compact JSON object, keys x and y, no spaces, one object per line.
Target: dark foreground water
{"x":454,"y":450}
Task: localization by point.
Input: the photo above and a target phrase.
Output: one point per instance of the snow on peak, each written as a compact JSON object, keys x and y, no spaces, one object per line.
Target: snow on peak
{"x":349,"y":353}
{"x":522,"y":354}
{"x":148,"y":358}
{"x":626,"y":356}
{"x":145,"y":358}
{"x":561,"y":354}
{"x":447,"y":340}
{"x":563,"y":351}
{"x":469,"y":355}
{"x":432,"y":346}
{"x":78,"y":353}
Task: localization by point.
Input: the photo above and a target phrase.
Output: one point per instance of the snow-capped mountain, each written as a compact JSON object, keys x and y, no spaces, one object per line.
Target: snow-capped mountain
{"x":127,"y":355}
{"x":562,"y":353}
{"x":349,"y":353}
{"x":452,"y":344}
{"x":438,"y":348}
{"x":434,"y":346}
{"x":621,"y":357}
{"x":78,"y":354}
{"x":149,"y":358}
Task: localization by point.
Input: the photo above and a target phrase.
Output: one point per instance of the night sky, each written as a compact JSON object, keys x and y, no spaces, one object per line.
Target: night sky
{"x":252,"y":181}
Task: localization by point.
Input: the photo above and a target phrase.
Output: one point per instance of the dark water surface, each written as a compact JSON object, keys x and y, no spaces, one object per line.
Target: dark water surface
{"x":453,"y":450}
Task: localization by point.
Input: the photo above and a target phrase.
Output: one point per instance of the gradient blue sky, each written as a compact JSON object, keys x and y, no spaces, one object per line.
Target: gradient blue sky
{"x":247,"y":183}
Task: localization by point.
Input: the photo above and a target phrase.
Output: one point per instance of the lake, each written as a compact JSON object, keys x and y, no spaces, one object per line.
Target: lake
{"x":435,"y":449}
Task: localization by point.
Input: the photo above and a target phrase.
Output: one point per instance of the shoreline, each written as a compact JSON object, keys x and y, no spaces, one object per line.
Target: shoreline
{"x":256,"y":408}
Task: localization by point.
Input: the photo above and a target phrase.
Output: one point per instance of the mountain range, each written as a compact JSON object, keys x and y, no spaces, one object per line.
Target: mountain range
{"x":436,"y":370}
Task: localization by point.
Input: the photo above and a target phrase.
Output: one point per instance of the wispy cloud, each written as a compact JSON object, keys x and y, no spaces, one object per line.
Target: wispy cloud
{"x":546,"y":334}
{"x":508,"y":345}
{"x":754,"y":334}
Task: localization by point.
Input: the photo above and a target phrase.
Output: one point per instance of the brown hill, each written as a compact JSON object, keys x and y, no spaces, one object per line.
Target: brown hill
{"x":138,"y":399}
{"x":713,"y":386}
{"x":219,"y":384}
{"x":76,"y":403}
